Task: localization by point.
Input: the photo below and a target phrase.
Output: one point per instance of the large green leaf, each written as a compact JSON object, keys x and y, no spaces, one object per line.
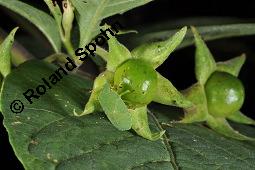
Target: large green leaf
{"x":91,"y":12}
{"x":42,"y":20}
{"x":46,"y":135}
{"x":211,"y":32}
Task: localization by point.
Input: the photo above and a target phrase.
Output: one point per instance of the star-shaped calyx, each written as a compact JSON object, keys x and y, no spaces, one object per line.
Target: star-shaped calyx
{"x":131,"y":82}
{"x":218,"y":95}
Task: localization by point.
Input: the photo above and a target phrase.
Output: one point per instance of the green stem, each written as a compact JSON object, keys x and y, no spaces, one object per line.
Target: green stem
{"x":61,"y":57}
{"x":102,"y":53}
{"x":70,"y":50}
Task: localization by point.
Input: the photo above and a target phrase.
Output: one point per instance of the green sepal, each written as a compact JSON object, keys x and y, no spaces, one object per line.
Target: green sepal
{"x":199,"y":111}
{"x":114,"y":108}
{"x":205,"y":64}
{"x":156,"y":53}
{"x":221,"y":126}
{"x":5,"y":53}
{"x":140,"y":124}
{"x":239,"y":117}
{"x":93,"y":104}
{"x":118,"y":53}
{"x":232,"y":66}
{"x":167,"y":94}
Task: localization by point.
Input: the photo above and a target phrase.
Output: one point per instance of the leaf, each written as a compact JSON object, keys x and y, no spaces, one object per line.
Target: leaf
{"x":167,"y":94}
{"x":204,"y":61}
{"x":56,"y":12}
{"x":118,"y":53}
{"x":115,"y":109}
{"x":46,"y":135}
{"x":5,"y":53}
{"x":47,"y":128}
{"x":232,"y":66}
{"x":91,"y":12}
{"x":157,"y":53}
{"x":200,"y":148}
{"x":43,"y":21}
{"x":212,"y":32}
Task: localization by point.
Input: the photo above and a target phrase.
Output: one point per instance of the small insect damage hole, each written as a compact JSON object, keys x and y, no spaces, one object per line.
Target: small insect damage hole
{"x":65,"y":4}
{"x":57,"y":2}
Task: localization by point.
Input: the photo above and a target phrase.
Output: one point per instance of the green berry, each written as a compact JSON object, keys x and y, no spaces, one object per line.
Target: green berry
{"x":225,"y":94}
{"x":137,"y":81}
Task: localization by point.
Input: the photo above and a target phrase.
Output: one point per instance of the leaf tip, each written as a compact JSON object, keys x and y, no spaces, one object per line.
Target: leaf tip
{"x":85,"y":112}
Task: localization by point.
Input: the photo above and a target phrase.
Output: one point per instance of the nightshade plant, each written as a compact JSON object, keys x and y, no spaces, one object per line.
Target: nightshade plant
{"x":130,"y":83}
{"x":219,"y":94}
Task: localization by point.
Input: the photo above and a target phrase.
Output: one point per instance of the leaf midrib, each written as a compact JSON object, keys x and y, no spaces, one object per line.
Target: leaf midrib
{"x":166,"y":143}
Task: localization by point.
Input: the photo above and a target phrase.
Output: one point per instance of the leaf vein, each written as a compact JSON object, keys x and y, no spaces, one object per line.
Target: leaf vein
{"x":166,"y":143}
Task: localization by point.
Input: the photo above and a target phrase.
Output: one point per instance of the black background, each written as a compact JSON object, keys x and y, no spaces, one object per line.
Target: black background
{"x":179,"y":68}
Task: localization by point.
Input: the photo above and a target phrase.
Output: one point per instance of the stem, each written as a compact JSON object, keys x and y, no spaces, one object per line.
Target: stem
{"x":69,"y":48}
{"x":102,"y":53}
{"x":61,"y":57}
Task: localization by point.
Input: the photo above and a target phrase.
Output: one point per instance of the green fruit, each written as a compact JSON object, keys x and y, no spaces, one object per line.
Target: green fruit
{"x":137,"y":81}
{"x":225,"y":94}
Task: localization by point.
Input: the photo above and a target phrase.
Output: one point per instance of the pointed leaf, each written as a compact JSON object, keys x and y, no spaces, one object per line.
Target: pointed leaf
{"x":42,"y":20}
{"x":56,"y":12}
{"x":118,"y":53}
{"x":167,"y":94}
{"x":221,"y":126}
{"x":115,"y":109}
{"x":156,"y":53}
{"x":90,"y":13}
{"x":204,"y":61}
{"x":232,"y":66}
{"x":199,"y":111}
{"x":239,"y":117}
{"x":140,"y":124}
{"x":5,"y":53}
{"x":93,"y":104}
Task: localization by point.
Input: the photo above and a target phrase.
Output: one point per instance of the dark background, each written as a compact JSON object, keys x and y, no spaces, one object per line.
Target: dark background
{"x":179,"y":68}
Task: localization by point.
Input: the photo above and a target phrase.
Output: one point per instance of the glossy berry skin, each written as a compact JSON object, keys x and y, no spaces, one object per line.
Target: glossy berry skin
{"x":137,"y":80}
{"x":225,"y":94}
